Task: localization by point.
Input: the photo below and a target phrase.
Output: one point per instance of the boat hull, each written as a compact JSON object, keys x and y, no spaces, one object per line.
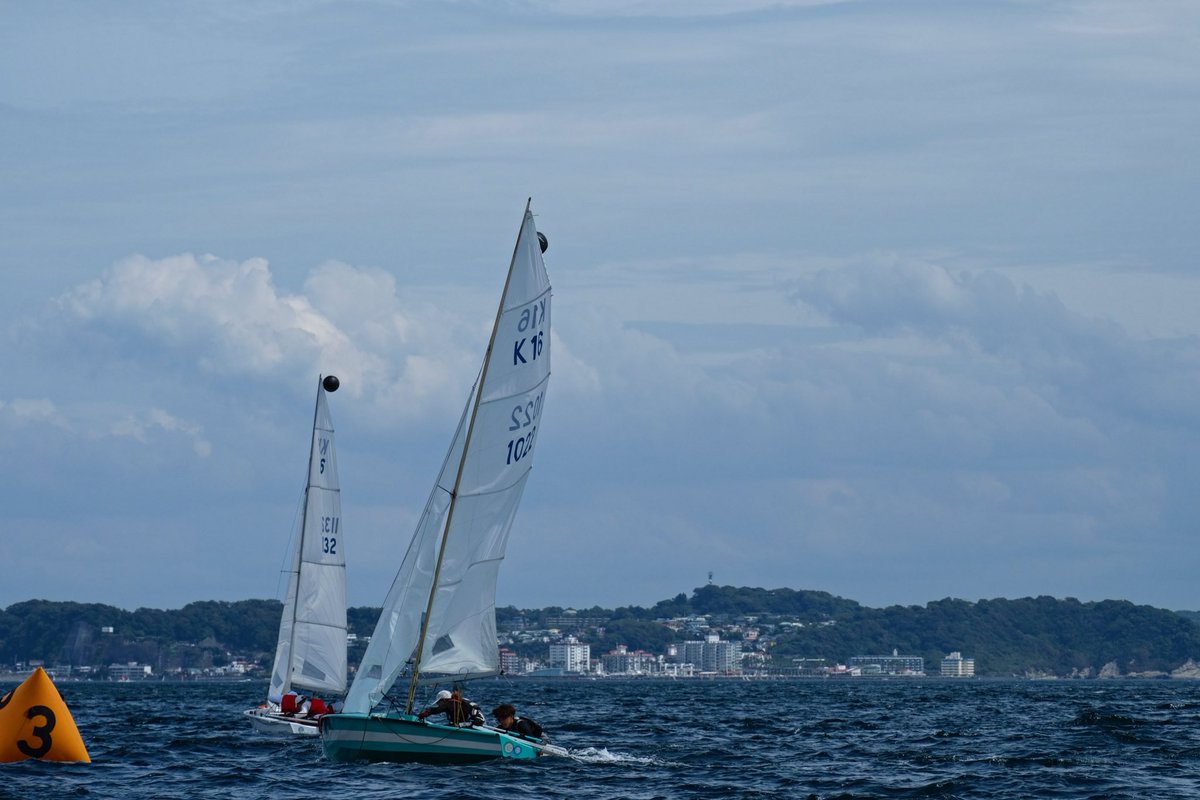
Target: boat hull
{"x":375,"y":737}
{"x":264,"y":720}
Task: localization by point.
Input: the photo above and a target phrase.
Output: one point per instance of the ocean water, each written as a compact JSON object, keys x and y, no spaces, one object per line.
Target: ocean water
{"x":839,"y":738}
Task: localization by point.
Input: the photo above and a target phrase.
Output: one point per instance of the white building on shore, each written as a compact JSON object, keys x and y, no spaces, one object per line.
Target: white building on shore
{"x":570,"y":655}
{"x":131,"y":671}
{"x":712,"y":655}
{"x":624,"y":661}
{"x":955,"y":666}
{"x":895,"y":664}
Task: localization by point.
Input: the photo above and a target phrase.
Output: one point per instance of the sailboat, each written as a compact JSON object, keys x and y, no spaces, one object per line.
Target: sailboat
{"x":311,"y":650}
{"x":438,"y":623}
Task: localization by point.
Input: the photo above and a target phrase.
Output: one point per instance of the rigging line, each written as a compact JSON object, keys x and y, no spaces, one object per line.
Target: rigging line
{"x":293,"y":539}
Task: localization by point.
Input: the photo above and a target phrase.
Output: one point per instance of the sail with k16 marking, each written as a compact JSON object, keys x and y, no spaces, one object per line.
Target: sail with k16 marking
{"x":440,"y":612}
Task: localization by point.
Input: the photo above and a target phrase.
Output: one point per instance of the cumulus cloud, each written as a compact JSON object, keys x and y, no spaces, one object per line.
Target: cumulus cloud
{"x":1055,"y":421}
{"x":233,"y":306}
{"x":1012,"y":335}
{"x":230,"y":317}
{"x":1002,"y":330}
{"x":889,"y":294}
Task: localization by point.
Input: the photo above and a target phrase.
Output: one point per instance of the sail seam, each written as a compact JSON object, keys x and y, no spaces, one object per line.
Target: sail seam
{"x":503,"y":488}
{"x":498,"y":398}
{"x":320,"y":624}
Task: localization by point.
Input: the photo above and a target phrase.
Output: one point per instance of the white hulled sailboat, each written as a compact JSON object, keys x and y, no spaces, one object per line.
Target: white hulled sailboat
{"x":311,"y":650}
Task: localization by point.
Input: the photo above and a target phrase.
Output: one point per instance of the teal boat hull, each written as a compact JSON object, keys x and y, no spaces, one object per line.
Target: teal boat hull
{"x":379,"y":737}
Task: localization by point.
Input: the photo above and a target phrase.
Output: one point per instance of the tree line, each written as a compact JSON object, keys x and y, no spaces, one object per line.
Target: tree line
{"x":1041,"y":635}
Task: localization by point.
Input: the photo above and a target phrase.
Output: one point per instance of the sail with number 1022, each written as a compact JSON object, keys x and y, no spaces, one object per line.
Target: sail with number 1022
{"x":311,"y":649}
{"x":438,"y":622}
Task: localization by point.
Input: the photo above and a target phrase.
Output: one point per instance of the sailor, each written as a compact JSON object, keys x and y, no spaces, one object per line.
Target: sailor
{"x":291,"y":702}
{"x":458,"y":710}
{"x":507,"y":720}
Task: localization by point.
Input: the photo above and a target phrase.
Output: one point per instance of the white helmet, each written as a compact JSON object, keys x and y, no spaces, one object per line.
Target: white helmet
{"x":443,"y":695}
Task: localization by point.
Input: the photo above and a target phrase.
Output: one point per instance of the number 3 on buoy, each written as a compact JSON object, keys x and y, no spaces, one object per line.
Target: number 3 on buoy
{"x":36,"y":723}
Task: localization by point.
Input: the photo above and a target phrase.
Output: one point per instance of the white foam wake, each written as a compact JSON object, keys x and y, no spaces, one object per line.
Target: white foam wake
{"x":602,"y":755}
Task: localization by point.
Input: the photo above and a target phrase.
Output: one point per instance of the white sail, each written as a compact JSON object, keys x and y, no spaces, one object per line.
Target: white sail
{"x":311,"y":652}
{"x":462,"y":534}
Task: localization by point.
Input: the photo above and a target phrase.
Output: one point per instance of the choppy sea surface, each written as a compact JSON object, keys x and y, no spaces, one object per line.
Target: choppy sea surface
{"x":838,"y":738}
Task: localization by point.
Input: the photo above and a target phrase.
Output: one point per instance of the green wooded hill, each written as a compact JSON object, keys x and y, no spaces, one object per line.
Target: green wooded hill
{"x":1041,"y":635}
{"x":1029,"y":636}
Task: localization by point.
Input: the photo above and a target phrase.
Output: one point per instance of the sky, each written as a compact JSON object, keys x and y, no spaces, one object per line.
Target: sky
{"x":893,"y":300}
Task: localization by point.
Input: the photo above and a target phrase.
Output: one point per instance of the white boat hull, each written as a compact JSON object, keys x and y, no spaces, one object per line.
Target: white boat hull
{"x":264,"y":720}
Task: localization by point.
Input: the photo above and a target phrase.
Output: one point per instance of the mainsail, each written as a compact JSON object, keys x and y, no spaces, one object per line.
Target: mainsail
{"x":448,"y":576}
{"x":311,"y":652}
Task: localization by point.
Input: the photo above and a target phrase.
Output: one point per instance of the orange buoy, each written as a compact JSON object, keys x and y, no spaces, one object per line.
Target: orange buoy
{"x":36,"y":723}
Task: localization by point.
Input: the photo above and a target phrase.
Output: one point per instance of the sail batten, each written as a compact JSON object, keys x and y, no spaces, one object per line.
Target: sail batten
{"x":443,"y":598}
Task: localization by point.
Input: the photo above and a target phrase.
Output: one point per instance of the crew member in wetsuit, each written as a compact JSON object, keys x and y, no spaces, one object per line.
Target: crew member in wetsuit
{"x":458,"y":709}
{"x":507,"y":719}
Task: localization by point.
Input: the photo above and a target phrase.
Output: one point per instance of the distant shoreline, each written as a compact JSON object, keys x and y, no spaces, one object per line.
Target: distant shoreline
{"x":15,"y":678}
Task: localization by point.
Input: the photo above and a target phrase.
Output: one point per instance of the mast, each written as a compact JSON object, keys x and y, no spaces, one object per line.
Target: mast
{"x":462,"y":460}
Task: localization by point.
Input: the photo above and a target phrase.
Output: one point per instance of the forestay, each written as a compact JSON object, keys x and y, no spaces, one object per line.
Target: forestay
{"x":466,"y":521}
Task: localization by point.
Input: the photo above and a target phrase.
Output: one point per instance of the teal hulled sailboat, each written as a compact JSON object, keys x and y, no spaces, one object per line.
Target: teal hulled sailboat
{"x":438,"y":622}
